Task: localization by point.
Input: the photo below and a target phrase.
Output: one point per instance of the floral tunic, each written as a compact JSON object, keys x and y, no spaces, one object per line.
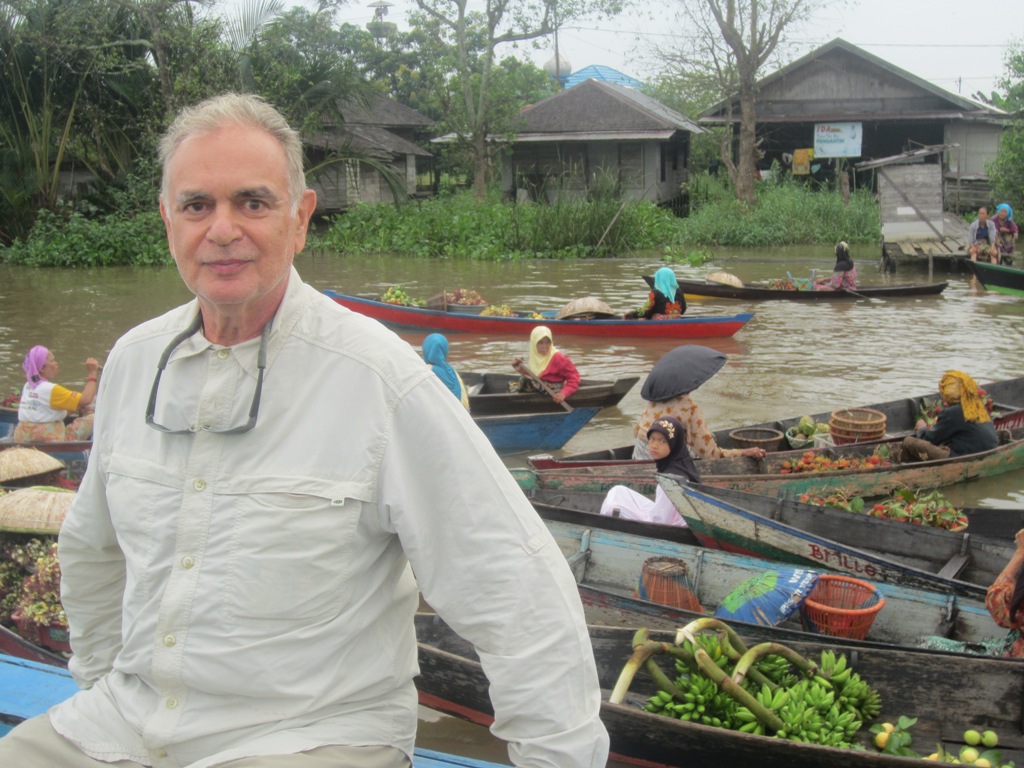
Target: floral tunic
{"x":699,"y":439}
{"x":998,"y":603}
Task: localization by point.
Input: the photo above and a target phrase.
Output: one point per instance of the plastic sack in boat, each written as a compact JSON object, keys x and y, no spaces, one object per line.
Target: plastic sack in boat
{"x":768,"y":598}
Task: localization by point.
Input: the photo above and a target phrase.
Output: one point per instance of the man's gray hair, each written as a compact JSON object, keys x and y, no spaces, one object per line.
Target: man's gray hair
{"x":246,"y":110}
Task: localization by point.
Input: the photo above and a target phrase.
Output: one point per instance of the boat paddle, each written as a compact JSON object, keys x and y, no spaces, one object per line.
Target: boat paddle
{"x":858,"y":295}
{"x":520,"y":366}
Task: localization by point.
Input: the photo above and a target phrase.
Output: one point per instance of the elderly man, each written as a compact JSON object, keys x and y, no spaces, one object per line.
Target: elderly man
{"x":982,"y":238}
{"x":238,"y":567}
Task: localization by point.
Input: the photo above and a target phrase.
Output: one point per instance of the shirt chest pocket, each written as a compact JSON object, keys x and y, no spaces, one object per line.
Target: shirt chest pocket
{"x":285,"y":546}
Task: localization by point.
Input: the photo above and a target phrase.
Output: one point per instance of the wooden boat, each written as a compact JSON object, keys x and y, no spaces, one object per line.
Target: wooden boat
{"x":489,"y":394}
{"x":998,"y":278}
{"x":533,"y":431}
{"x":866,"y":547}
{"x":763,"y":292}
{"x":901,"y":415}
{"x":767,"y":475}
{"x":611,"y":561}
{"x":418,"y":318}
{"x":29,"y":688}
{"x":946,"y":699}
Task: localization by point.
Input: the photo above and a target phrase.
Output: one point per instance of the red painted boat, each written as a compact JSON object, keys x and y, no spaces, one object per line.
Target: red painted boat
{"x":418,"y":318}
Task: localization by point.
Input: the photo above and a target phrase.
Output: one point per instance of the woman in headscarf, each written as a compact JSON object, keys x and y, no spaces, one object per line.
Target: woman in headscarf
{"x":667,"y":391}
{"x":435,"y":354}
{"x":1007,"y":231}
{"x":666,"y":440}
{"x":550,"y":365}
{"x":44,"y":405}
{"x":844,"y":273}
{"x":666,"y":300}
{"x":963,"y":425}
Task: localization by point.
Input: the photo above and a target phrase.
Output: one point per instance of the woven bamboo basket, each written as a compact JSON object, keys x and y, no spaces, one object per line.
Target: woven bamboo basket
{"x":664,"y":580}
{"x":856,"y":425}
{"x":757,"y":437}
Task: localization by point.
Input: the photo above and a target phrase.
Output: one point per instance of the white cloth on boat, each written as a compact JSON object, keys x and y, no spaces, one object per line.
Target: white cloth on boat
{"x":235,"y":595}
{"x":628,"y":504}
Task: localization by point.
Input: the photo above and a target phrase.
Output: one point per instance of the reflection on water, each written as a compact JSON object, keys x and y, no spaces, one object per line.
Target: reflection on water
{"x":791,"y":358}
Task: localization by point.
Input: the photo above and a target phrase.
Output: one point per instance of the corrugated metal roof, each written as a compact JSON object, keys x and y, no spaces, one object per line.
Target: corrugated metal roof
{"x":601,"y":72}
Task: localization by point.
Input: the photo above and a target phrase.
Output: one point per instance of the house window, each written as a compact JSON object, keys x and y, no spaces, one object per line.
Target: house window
{"x":662,"y":160}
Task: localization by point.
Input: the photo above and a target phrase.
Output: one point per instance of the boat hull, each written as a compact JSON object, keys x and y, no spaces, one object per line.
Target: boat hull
{"x":489,"y":395}
{"x":416,"y":318}
{"x":998,"y":278}
{"x":762,"y":293}
{"x":534,"y":431}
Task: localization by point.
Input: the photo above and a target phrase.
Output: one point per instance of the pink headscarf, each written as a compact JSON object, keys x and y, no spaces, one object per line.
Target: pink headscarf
{"x":34,"y":362}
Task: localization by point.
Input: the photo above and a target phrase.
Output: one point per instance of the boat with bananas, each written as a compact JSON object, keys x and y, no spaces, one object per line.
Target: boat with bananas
{"x":690,"y":326}
{"x":901,"y":415}
{"x":863,"y":469}
{"x":946,"y":696}
{"x":873,"y":548}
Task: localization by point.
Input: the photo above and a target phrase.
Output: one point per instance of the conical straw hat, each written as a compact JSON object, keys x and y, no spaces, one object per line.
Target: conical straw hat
{"x":725,"y":278}
{"x":39,"y":509}
{"x":20,"y":461}
{"x":587,"y":305}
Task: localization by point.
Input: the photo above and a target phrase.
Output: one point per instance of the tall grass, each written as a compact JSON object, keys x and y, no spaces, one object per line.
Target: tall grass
{"x":786,"y":213}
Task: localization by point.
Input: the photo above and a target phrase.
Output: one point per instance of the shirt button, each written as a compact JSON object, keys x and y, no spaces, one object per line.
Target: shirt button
{"x":160,"y":752}
{"x":199,"y":484}
{"x":170,"y":641}
{"x":187,"y":562}
{"x":222,"y":354}
{"x":172,"y":702}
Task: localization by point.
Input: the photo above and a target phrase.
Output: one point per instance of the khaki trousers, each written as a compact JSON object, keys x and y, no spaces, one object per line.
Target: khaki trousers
{"x":35,"y":744}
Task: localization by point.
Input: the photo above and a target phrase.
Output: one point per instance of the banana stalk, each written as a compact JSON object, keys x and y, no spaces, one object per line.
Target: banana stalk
{"x":734,"y":647}
{"x":808,"y":668}
{"x":737,"y":691}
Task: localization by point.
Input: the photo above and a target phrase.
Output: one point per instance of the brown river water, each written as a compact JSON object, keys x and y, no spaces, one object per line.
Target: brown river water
{"x":788,"y":360}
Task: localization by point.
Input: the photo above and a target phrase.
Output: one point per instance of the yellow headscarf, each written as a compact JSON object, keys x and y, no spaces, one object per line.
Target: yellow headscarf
{"x":539,"y":362}
{"x":958,"y":387}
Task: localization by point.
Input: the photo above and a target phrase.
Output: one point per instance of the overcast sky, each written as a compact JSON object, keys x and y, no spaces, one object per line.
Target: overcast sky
{"x":957,"y":44}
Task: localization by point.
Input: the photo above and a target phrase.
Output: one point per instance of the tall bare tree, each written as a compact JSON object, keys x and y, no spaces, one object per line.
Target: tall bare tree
{"x":728,"y":44}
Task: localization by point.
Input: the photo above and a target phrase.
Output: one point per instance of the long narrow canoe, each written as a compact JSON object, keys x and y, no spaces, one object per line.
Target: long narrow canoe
{"x":756,"y":292}
{"x":866,"y":547}
{"x":768,"y":475}
{"x":489,"y":394}
{"x":998,"y":278}
{"x":946,"y":696}
{"x":901,"y":415}
{"x":417,"y":318}
{"x":28,"y":688}
{"x":608,"y":565}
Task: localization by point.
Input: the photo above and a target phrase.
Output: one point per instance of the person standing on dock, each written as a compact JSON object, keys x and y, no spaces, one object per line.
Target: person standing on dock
{"x":982,"y":238}
{"x":243,"y":563}
{"x":1007,"y":231}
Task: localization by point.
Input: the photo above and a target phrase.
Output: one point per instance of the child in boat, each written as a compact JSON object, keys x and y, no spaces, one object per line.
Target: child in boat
{"x":666,"y":442}
{"x":844,"y":273}
{"x":963,"y":425}
{"x":435,"y":354}
{"x":549,"y":365}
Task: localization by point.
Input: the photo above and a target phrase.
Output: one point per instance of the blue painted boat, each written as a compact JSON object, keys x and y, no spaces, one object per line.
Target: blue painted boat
{"x":28,"y":688}
{"x":534,"y":431}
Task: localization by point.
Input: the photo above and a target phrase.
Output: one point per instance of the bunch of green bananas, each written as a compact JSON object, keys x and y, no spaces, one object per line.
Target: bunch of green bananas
{"x":700,"y":701}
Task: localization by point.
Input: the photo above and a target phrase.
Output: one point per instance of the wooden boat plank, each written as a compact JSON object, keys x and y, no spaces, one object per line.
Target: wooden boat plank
{"x":871,"y":548}
{"x":616,"y":562}
{"x":489,"y":394}
{"x":762,"y":292}
{"x":691,"y":326}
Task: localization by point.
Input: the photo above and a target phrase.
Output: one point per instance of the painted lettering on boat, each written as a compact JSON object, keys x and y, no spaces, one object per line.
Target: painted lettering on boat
{"x":841,"y":560}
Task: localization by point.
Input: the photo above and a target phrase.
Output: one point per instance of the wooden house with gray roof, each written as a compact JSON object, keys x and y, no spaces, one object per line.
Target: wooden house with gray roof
{"x":383,"y":130}
{"x":596,"y":128}
{"x":923,"y":148}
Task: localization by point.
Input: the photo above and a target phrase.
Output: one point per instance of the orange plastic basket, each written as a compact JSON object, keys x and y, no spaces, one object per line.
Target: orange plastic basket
{"x":840,"y":606}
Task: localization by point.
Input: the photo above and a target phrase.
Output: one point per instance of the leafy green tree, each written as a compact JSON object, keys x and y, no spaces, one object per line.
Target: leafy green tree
{"x":1006,"y":172}
{"x":470,"y":40}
